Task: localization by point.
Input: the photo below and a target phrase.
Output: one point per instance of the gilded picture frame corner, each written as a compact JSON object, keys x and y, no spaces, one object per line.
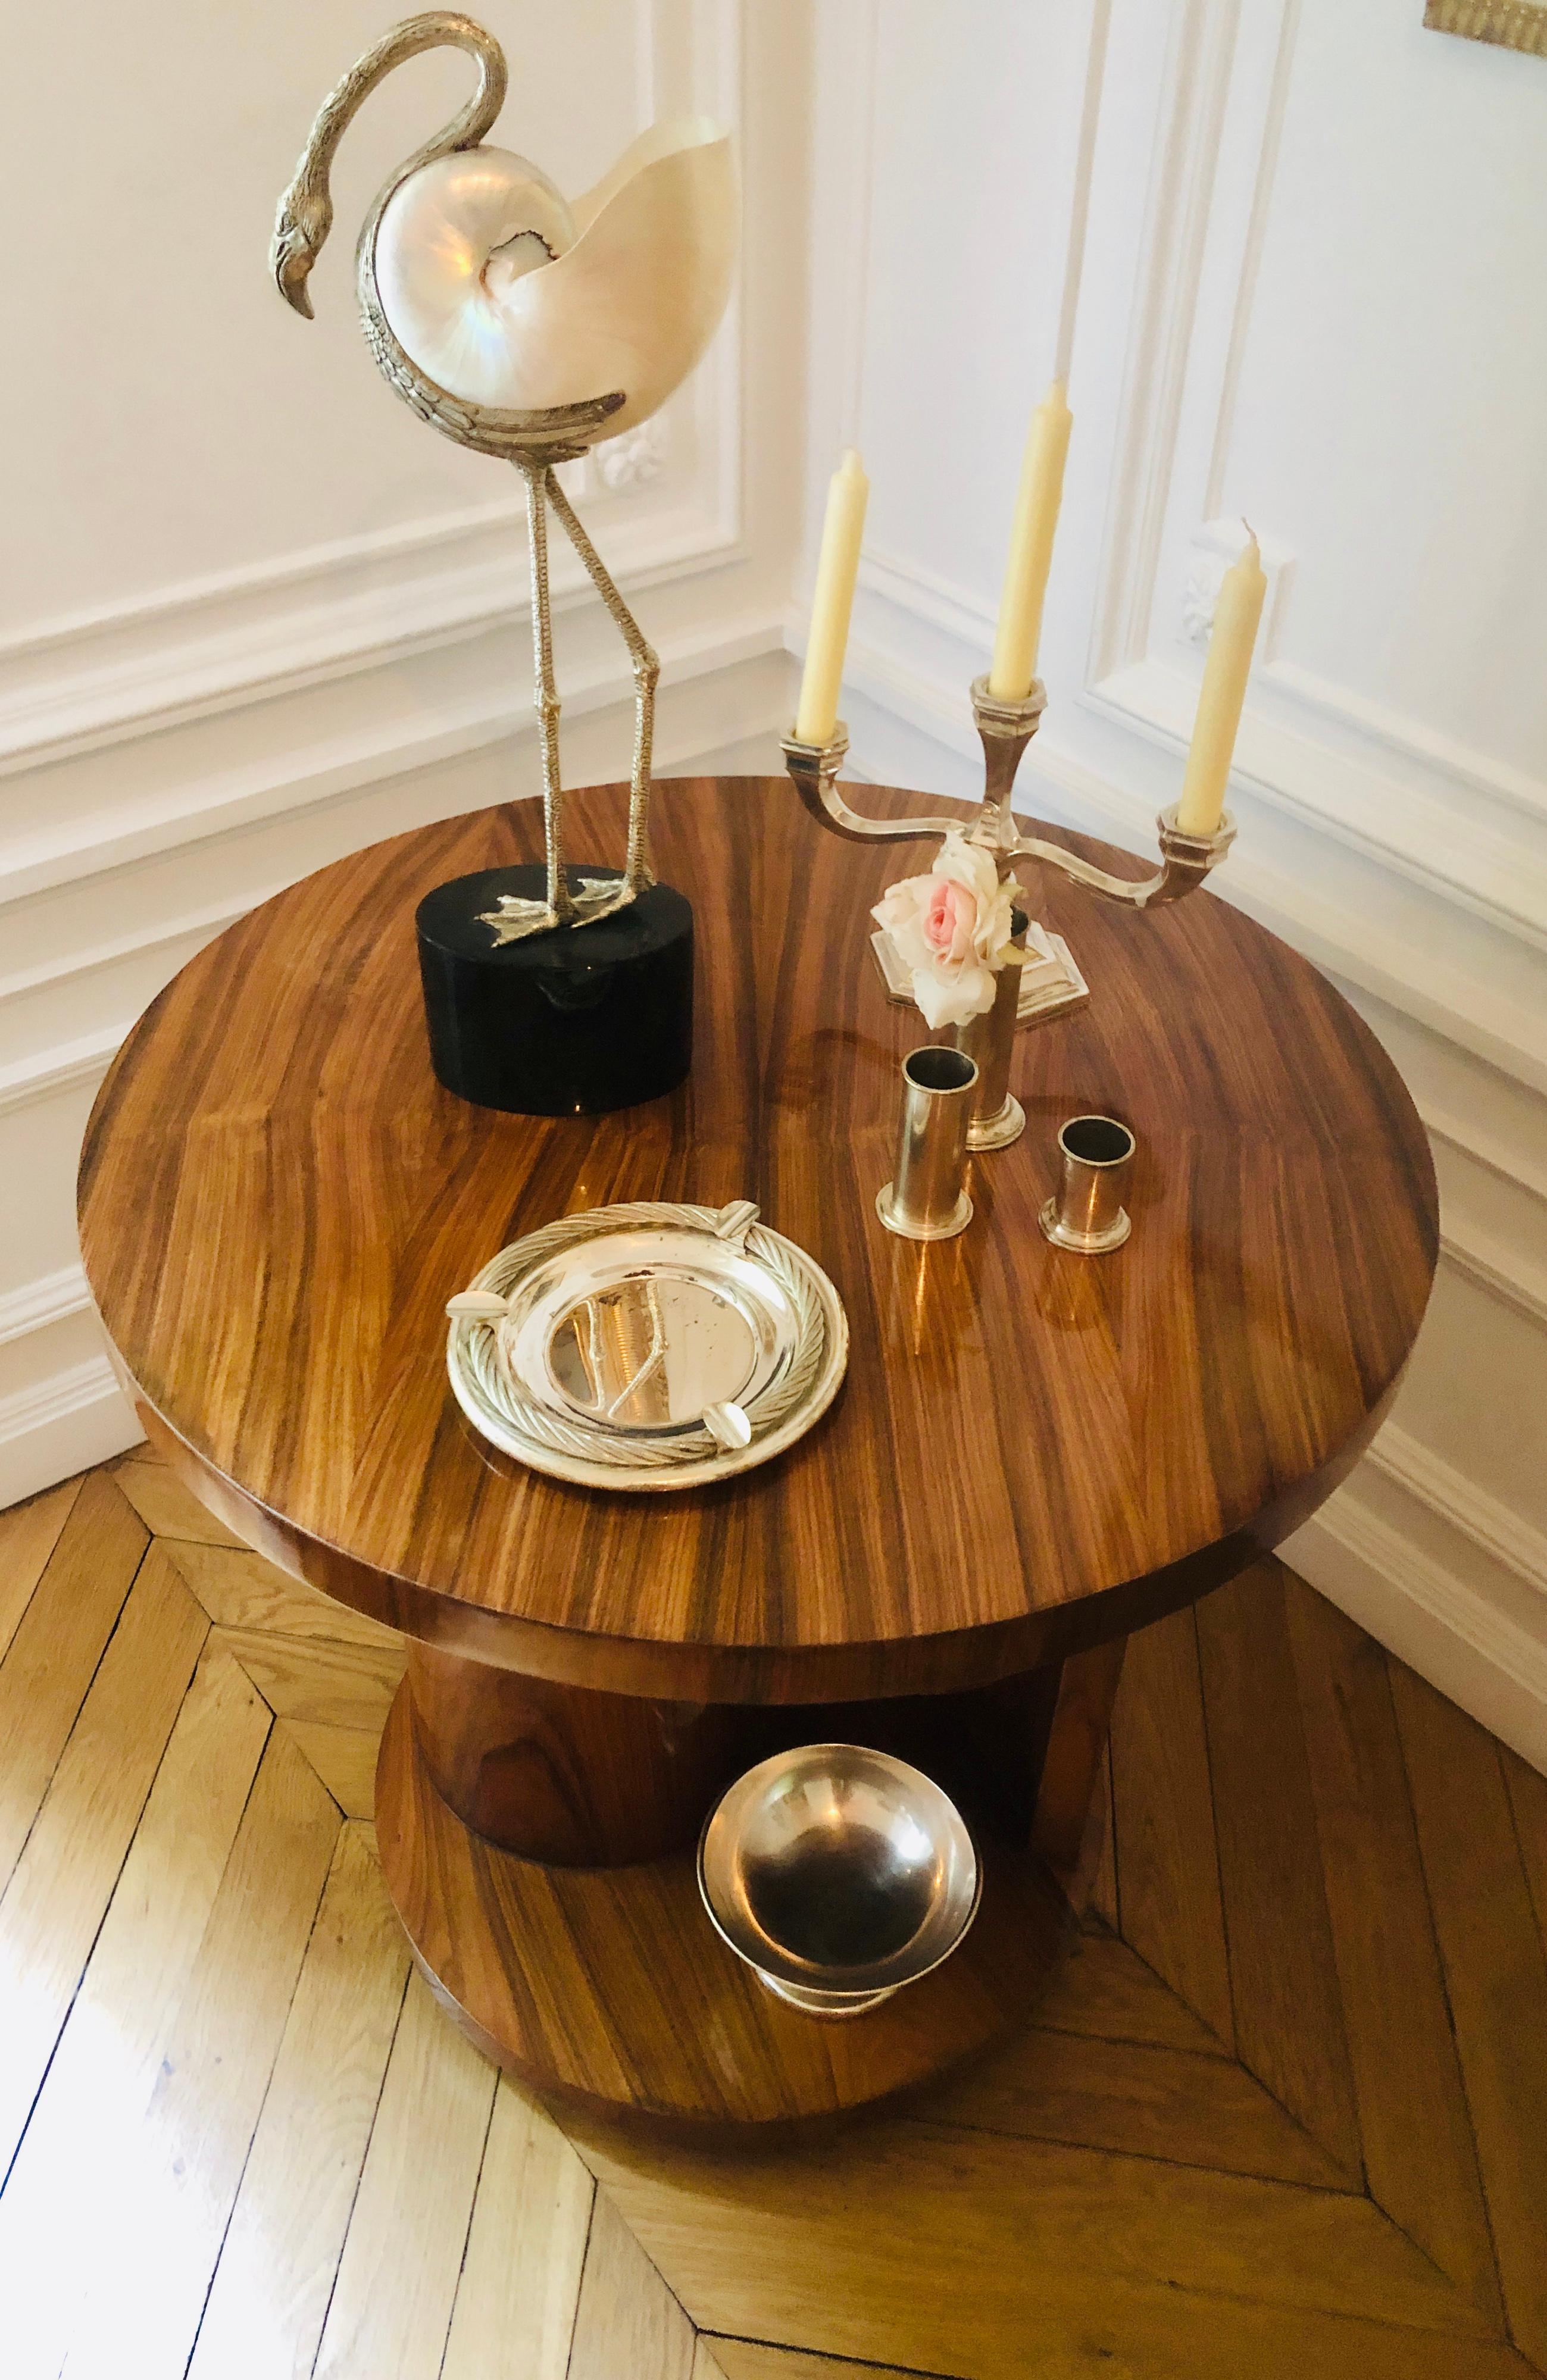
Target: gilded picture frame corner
{"x":1511,"y":24}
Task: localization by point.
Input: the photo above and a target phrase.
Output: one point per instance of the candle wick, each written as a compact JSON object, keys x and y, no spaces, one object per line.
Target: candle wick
{"x":1250,"y":530}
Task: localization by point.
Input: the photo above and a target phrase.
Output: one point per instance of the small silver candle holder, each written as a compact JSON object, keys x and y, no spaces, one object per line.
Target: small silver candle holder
{"x":926,"y":1199}
{"x":1088,"y":1215}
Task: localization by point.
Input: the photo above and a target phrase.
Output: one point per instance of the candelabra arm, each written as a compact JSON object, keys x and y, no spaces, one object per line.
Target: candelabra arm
{"x":1185,"y":859}
{"x":1005,"y":729}
{"x":813,"y":770}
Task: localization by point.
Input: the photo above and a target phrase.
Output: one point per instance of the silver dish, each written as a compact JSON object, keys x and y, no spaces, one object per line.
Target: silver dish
{"x":839,"y":1874}
{"x":649,"y":1345}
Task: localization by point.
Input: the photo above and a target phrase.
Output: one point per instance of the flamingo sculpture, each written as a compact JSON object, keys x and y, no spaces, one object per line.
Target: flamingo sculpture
{"x":525,"y":327}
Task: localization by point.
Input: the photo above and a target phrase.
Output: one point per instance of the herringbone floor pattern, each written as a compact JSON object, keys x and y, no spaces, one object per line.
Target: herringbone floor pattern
{"x":1283,"y":2113}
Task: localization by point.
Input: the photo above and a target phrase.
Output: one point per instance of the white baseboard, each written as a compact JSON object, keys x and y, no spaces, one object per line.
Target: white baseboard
{"x":1432,"y":1616}
{"x":57,"y":1427}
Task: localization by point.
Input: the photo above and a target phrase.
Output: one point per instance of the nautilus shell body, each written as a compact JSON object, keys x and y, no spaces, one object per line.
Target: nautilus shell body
{"x":510,"y":299}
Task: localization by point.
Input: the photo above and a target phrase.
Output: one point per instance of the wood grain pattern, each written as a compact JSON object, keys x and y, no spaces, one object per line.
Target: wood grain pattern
{"x":1144,"y":2100}
{"x":1127,"y":2262}
{"x":240,"y":1589}
{"x":320,"y":1683}
{"x":124,"y":2019}
{"x":149,"y":2277}
{"x":29,"y":1534}
{"x":1285,"y":1997}
{"x":1168,"y":1889}
{"x":628,"y":2320}
{"x":389,"y":2313}
{"x":168,"y":1509}
{"x":265,"y":2310}
{"x":556,"y":1773}
{"x":273,"y":1173}
{"x":64,"y":1878}
{"x":746,"y":2359}
{"x":520,"y":2283}
{"x":607,"y":1986}
{"x":1102,"y":1987}
{"x":1528,"y":1801}
{"x":58,"y":1642}
{"x":1418,"y":2150}
{"x":345,"y":1758}
{"x":1495,"y":1976}
{"x":1072,"y":1818}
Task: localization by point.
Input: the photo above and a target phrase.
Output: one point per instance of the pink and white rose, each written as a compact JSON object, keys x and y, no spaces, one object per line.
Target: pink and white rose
{"x":952,"y":931}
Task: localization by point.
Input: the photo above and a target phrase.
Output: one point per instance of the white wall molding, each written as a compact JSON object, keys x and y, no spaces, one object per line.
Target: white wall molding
{"x":1461,"y":1505}
{"x":1436,"y":1613}
{"x":360,"y":604}
{"x":72,"y":1420}
{"x":315,"y":769}
{"x":1406,"y":825}
{"x":1189,"y":130}
{"x":67,"y":1066}
{"x":1499,"y":1270}
{"x":760,"y":706}
{"x":1420,"y":749}
{"x":38,"y":1304}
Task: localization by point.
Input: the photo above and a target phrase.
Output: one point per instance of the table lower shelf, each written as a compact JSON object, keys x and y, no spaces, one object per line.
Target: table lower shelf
{"x":609,"y":1986}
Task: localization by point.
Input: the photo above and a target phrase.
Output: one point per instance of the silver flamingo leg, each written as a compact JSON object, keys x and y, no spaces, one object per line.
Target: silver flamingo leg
{"x":539,"y":480}
{"x":637,"y":874}
{"x":516,"y":916}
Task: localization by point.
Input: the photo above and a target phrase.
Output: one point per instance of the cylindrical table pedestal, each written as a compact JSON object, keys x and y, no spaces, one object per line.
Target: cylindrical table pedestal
{"x":559,"y":1774}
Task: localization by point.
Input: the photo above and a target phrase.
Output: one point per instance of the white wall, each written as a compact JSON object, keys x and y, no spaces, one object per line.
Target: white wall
{"x":253,"y":615}
{"x":1314,"y":290}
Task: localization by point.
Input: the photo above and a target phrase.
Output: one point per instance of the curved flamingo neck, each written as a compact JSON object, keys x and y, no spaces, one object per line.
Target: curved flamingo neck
{"x":435,"y":30}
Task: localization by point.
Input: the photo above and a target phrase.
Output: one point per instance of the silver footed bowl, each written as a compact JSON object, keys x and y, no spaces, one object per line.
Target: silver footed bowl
{"x":839,"y":1874}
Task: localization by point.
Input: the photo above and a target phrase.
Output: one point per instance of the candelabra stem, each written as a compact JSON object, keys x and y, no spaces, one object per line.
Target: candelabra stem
{"x":988,"y":1040}
{"x":1004,"y":729}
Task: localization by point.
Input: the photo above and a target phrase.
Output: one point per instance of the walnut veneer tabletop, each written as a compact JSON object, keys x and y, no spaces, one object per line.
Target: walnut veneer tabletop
{"x":1033,"y":1451}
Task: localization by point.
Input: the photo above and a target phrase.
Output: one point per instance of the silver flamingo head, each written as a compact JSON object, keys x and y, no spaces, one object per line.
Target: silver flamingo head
{"x":302,"y":223}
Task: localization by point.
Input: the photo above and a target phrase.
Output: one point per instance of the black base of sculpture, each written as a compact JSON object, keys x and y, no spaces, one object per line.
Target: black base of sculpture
{"x":574,"y":1021}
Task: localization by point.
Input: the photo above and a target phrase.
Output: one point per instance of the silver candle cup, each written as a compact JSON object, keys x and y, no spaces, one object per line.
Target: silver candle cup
{"x":839,"y":1874}
{"x":1087,"y":1214}
{"x":926,"y":1199}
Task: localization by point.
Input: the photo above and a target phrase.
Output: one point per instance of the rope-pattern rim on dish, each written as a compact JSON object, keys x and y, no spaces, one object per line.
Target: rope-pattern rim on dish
{"x":477,"y":1353}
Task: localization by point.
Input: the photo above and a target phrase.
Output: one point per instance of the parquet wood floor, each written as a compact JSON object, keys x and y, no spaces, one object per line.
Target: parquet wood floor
{"x":1283,"y":2110}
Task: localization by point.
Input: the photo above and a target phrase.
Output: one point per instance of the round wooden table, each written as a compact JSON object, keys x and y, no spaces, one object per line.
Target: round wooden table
{"x":1034,"y":1452}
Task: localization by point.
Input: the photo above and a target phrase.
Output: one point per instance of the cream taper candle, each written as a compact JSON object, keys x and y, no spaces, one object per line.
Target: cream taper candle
{"x":832,"y":602}
{"x":1220,"y":698}
{"x":1031,"y":557}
